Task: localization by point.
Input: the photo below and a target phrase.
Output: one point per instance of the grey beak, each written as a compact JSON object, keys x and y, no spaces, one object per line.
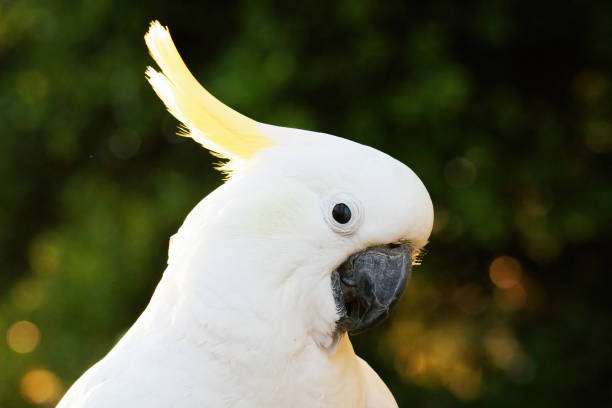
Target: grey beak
{"x":368,"y":284}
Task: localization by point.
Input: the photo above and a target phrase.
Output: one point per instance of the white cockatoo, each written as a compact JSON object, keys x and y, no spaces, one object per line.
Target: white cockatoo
{"x":312,"y":237}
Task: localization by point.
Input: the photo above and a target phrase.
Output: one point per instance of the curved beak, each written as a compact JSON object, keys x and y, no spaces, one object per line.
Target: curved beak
{"x":368,"y":285}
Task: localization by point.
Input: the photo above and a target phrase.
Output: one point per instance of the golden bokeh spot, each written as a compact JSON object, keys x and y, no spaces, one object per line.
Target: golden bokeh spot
{"x":511,"y":299}
{"x":23,"y":337}
{"x":505,"y":272}
{"x":40,"y":387}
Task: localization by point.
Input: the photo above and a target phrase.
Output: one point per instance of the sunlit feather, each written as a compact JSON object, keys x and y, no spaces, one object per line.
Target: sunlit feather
{"x":208,"y":121}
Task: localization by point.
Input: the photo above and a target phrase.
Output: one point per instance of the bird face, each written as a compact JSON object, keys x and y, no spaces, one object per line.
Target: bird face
{"x":341,"y":214}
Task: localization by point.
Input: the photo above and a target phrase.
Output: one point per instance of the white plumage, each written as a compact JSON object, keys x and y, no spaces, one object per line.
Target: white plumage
{"x":244,"y":315}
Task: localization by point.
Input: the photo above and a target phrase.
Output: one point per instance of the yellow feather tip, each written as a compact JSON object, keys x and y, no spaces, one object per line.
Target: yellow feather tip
{"x":220,"y":129}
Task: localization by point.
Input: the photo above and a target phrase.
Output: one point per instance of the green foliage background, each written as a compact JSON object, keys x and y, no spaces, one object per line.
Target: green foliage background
{"x":503,"y":108}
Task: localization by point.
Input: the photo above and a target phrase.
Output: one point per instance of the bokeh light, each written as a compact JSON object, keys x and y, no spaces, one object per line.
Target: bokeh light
{"x":505,"y":272}
{"x":40,"y":386}
{"x":23,"y":337}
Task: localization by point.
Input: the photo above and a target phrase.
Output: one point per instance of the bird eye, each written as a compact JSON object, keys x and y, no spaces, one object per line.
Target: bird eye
{"x":341,"y":213}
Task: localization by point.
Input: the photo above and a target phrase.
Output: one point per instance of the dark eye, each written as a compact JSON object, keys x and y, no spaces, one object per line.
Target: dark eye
{"x":341,"y":213}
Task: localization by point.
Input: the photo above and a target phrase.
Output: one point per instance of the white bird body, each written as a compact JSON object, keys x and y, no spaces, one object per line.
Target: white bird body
{"x":244,"y":315}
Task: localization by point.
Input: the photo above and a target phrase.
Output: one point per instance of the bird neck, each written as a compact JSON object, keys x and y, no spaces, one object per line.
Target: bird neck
{"x":217,"y":294}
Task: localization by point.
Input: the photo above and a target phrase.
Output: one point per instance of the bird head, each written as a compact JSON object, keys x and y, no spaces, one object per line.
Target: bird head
{"x":315,"y":228}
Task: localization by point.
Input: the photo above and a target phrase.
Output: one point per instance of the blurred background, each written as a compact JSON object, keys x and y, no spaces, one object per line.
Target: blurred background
{"x":503,"y":108}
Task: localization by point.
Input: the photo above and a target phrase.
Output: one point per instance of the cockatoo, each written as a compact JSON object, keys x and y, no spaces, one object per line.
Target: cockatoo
{"x":311,"y":237}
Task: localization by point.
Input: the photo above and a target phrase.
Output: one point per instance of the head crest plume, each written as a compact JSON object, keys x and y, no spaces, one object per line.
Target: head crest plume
{"x":217,"y":127}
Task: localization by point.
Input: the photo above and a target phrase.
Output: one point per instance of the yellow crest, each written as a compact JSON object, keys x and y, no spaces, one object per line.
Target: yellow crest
{"x":216,"y":126}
